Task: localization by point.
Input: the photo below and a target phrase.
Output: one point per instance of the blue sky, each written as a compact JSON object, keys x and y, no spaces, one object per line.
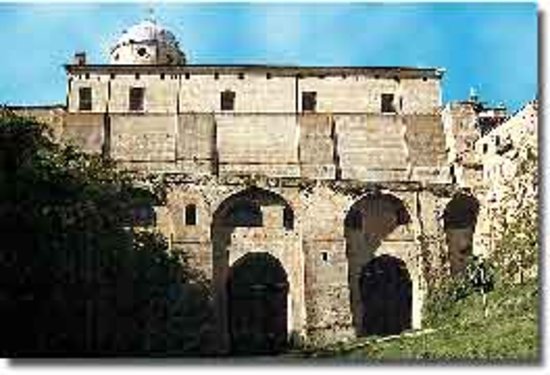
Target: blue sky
{"x":490,"y":46}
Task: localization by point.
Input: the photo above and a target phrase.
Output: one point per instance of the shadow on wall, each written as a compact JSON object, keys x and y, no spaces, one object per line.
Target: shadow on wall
{"x":460,"y":219}
{"x":380,"y":287}
{"x":250,"y":296}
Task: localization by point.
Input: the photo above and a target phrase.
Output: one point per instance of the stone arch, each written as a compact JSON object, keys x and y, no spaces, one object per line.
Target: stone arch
{"x":257,"y":288}
{"x":248,"y":208}
{"x":251,"y":221}
{"x":460,"y":219}
{"x":370,"y":226}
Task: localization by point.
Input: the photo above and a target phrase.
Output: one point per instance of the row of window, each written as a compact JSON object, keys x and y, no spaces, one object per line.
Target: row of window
{"x":498,"y":143}
{"x":227,"y":100}
{"x":146,"y":215}
{"x":136,"y":98}
{"x":309,"y":102}
{"x":244,"y":215}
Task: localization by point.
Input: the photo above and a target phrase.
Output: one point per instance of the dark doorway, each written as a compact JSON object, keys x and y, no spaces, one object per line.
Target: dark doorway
{"x":257,"y":290}
{"x":460,"y":219}
{"x":386,"y":296}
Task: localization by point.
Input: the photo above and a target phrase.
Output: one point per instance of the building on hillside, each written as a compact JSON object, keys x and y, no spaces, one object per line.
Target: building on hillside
{"x":464,"y":123}
{"x":327,"y":191}
{"x":502,"y":153}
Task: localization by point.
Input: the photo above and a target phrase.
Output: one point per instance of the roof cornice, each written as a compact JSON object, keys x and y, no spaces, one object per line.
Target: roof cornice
{"x":277,"y":70}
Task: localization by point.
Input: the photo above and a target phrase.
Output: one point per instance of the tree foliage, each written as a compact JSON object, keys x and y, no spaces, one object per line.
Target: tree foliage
{"x":77,"y":278}
{"x":516,"y":252}
{"x":515,"y":256}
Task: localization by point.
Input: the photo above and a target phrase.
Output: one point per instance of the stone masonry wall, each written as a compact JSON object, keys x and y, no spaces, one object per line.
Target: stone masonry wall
{"x":256,"y":92}
{"x":314,"y":161}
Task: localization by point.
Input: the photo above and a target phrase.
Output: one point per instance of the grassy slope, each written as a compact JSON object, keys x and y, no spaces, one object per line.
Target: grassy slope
{"x":509,"y":333}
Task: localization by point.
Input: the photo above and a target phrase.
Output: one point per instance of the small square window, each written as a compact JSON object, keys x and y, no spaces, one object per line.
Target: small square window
{"x":216,"y":75}
{"x":161,"y":75}
{"x":324,"y":256}
{"x":144,"y":216}
{"x":268,"y":75}
{"x":187,"y":75}
{"x":136,"y":98}
{"x":387,"y":103}
{"x":309,"y":101}
{"x":85,"y":98}
{"x":241,"y":75}
{"x":227,"y":100}
{"x":485,"y":148}
{"x":137,"y":75}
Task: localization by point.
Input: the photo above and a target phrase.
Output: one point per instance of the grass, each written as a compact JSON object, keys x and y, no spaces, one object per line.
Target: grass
{"x":508,"y":334}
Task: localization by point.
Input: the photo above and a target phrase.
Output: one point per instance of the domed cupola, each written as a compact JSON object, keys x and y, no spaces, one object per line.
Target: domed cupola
{"x":147,"y":43}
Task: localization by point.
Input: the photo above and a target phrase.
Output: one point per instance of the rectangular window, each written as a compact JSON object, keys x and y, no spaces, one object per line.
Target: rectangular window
{"x":191,"y":214}
{"x":136,"y":98}
{"x":309,"y":101}
{"x":387,"y":103}
{"x":485,"y":148}
{"x":227,"y":100}
{"x":85,"y":98}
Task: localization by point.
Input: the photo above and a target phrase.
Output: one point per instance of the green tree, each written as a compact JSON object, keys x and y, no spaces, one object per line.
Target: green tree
{"x":516,"y":251}
{"x":76,"y":277}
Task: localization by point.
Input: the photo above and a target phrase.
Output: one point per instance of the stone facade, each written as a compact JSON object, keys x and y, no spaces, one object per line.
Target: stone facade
{"x":345,"y":157}
{"x":340,"y":179}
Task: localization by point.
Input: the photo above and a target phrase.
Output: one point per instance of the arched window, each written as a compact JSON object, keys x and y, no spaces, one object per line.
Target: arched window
{"x":191,"y":214}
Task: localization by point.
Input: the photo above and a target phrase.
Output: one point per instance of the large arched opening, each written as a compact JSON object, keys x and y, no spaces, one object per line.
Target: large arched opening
{"x":257,"y":289}
{"x":460,"y":219}
{"x":380,"y":285}
{"x":386,"y":294}
{"x":250,"y":283}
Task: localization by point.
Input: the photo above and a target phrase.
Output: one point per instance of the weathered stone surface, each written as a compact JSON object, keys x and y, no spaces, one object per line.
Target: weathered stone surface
{"x":268,"y":178}
{"x":86,"y":130}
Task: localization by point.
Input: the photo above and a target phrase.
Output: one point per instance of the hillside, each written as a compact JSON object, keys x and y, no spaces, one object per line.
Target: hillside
{"x":508,"y":333}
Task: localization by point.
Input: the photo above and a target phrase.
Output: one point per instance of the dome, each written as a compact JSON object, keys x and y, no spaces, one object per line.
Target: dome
{"x":146,"y":31}
{"x":147,"y":43}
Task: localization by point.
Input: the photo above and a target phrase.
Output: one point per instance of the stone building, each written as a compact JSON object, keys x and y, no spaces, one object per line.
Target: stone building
{"x":318,"y":200}
{"x":500,"y":153}
{"x":464,"y":122}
